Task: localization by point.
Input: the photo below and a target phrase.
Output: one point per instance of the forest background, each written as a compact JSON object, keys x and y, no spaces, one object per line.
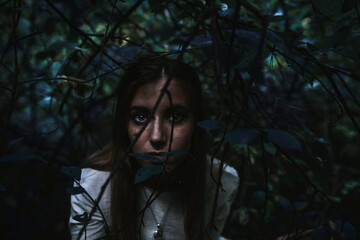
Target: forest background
{"x":280,"y":79}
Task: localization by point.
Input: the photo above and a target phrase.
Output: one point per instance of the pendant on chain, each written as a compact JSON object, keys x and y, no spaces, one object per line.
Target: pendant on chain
{"x":158,"y":232}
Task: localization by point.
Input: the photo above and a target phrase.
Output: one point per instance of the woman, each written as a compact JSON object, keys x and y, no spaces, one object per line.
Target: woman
{"x":159,"y":104}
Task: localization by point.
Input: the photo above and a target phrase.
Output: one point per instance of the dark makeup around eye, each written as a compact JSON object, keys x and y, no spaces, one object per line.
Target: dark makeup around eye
{"x":136,"y":111}
{"x":176,"y":109}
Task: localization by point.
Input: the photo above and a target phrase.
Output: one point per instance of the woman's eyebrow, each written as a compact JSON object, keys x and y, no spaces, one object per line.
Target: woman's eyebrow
{"x":177,"y":107}
{"x":170,"y":108}
{"x":139,"y":108}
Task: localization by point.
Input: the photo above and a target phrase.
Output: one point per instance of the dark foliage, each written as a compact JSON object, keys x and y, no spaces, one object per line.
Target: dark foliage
{"x":281,"y":81}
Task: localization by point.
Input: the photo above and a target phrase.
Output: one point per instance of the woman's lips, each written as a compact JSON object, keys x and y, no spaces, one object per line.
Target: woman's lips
{"x":158,"y":155}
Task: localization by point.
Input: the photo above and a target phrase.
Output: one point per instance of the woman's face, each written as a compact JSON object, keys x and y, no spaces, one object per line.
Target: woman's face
{"x":156,"y":138}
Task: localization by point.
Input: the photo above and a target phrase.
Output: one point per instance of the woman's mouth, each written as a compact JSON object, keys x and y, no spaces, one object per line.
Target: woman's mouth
{"x":158,"y":155}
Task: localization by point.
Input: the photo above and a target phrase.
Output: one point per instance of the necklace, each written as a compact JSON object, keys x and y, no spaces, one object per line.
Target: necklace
{"x":158,"y":233}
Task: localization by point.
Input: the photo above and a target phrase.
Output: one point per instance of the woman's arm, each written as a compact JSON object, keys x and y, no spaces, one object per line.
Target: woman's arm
{"x":82,"y":204}
{"x":230,"y":183}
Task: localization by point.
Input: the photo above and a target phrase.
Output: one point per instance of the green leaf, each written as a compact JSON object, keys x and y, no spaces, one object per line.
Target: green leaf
{"x":145,"y":156}
{"x":19,"y":157}
{"x":157,"y":5}
{"x":250,"y":45}
{"x":242,"y":136}
{"x":355,"y":42}
{"x":277,"y":40}
{"x":258,"y":197}
{"x":172,"y":153}
{"x":348,"y":5}
{"x":346,"y":228}
{"x":321,"y":234}
{"x":74,"y":172}
{"x":230,"y":3}
{"x":15,"y":141}
{"x":75,"y":190}
{"x":272,"y":18}
{"x":128,"y":51}
{"x":269,"y":211}
{"x":81,"y":217}
{"x":209,"y":125}
{"x":334,"y":198}
{"x":223,"y":54}
{"x":284,"y":139}
{"x":175,"y":152}
{"x":59,"y":57}
{"x":307,"y":217}
{"x":241,"y":215}
{"x":144,"y":174}
{"x":300,"y":205}
{"x":351,"y":185}
{"x":285,"y":204}
{"x":336,"y":39}
{"x":2,"y":188}
{"x":328,"y":7}
{"x":200,"y":39}
{"x":270,"y":148}
{"x":227,"y":13}
{"x":55,"y":66}
{"x":41,"y":55}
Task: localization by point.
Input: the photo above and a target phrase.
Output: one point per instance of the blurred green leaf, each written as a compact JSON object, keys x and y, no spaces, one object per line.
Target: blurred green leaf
{"x":157,"y":5}
{"x":15,"y":142}
{"x":328,"y":8}
{"x":300,"y":205}
{"x":307,"y":217}
{"x":284,"y":139}
{"x":346,"y":229}
{"x":81,"y":217}
{"x":2,"y":188}
{"x":75,"y":190}
{"x":242,"y":136}
{"x":321,"y":234}
{"x":144,"y":156}
{"x":19,"y":158}
{"x":74,"y":172}
{"x":258,"y":197}
{"x":209,"y":125}
{"x":144,"y":174}
{"x":174,"y":153}
{"x":348,"y":5}
{"x":128,"y":51}
{"x":285,"y":204}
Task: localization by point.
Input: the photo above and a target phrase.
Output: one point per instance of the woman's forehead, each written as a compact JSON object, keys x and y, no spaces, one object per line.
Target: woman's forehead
{"x":148,"y":93}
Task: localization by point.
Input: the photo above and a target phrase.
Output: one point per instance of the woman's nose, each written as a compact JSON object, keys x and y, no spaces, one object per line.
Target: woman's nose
{"x":158,"y":134}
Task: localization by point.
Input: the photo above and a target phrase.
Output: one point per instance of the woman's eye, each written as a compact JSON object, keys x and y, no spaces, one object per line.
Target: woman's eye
{"x":176,"y":117}
{"x":139,"y":118}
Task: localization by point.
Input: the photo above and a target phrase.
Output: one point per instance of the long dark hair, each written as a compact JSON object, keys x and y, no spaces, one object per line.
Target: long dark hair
{"x":123,"y":191}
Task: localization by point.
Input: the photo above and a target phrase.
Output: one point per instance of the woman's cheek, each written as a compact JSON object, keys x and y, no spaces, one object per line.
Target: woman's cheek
{"x":133,"y":131}
{"x":182,"y":139}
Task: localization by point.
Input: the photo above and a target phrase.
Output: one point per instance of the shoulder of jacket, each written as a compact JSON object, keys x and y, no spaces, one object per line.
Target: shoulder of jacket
{"x":90,"y":173}
{"x":92,"y":178}
{"x":229,"y":175}
{"x":228,"y":171}
{"x":91,"y":181}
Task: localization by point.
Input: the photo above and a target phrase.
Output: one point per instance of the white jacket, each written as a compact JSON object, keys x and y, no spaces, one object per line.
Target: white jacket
{"x":173,"y":227}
